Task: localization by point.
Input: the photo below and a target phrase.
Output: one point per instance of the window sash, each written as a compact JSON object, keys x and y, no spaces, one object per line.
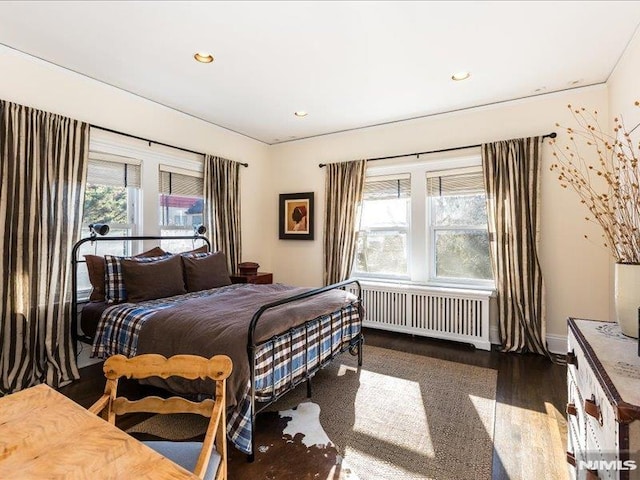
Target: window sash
{"x":400,"y":230}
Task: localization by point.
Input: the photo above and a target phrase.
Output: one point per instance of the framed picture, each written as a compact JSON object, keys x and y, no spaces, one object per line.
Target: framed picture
{"x":296,"y":216}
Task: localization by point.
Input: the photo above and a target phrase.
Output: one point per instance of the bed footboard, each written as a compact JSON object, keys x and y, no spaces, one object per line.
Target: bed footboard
{"x":299,"y":334}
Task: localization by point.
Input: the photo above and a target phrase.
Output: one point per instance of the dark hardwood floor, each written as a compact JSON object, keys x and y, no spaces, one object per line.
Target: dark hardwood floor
{"x":530,"y":427}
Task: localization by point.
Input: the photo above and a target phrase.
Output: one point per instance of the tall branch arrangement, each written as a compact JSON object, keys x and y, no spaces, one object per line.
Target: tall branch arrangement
{"x":609,"y":187}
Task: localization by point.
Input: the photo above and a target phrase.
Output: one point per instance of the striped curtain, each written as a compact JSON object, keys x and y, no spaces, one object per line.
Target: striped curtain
{"x":222,"y":207}
{"x":343,"y":192}
{"x":43,"y":162}
{"x":512,"y":179}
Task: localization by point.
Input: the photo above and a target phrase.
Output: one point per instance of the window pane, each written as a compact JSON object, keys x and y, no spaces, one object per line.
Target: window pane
{"x":181,"y":211}
{"x":463,"y":254}
{"x":100,"y":248}
{"x":383,"y":252}
{"x":105,"y":204}
{"x":460,"y":210}
{"x":178,"y":215}
{"x":385,"y":213}
{"x":178,"y":246}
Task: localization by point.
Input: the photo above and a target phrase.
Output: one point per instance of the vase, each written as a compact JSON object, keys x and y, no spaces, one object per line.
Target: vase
{"x":627,"y":297}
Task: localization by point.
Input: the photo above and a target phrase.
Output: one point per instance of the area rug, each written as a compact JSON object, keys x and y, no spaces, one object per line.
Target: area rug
{"x":401,"y":416}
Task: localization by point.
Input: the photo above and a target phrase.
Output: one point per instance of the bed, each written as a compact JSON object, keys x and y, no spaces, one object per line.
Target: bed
{"x":278,"y":336}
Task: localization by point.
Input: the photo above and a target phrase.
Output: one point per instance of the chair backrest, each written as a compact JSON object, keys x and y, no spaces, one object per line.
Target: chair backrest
{"x":217,"y":368}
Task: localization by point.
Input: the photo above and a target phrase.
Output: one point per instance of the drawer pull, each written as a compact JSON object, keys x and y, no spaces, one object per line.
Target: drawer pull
{"x":591,"y":408}
{"x":572,"y":359}
{"x":571,"y":409}
{"x":571,"y":459}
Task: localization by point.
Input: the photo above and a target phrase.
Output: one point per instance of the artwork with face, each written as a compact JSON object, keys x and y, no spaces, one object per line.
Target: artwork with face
{"x":296,"y":216}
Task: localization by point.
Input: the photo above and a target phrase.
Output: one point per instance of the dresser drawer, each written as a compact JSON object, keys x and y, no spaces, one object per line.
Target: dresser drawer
{"x":575,"y":415}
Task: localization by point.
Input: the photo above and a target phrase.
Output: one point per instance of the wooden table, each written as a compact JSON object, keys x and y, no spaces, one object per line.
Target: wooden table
{"x":43,"y":434}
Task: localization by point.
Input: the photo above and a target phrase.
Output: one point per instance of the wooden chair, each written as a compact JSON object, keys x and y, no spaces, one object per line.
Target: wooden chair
{"x":199,"y":457}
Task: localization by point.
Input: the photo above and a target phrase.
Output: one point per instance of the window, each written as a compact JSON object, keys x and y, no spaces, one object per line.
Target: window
{"x":111,"y":196}
{"x":383,"y":238}
{"x":458,"y":235}
{"x":181,"y":205}
{"x":425,"y":222}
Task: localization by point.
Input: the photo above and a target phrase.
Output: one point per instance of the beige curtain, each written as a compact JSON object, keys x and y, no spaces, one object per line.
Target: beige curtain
{"x":222,"y":207}
{"x":43,"y":161}
{"x":343,"y":191}
{"x":512,"y":179}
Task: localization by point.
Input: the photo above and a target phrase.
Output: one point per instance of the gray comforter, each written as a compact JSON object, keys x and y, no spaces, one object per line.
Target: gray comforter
{"x":219,"y":324}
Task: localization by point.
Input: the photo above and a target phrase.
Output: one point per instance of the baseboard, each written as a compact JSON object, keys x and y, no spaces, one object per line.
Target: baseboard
{"x":555,"y":343}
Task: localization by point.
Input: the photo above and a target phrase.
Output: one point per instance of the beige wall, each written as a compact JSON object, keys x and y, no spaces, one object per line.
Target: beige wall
{"x":576,"y":271}
{"x":41,"y":85}
{"x":623,"y":85}
{"x":623,"y":93}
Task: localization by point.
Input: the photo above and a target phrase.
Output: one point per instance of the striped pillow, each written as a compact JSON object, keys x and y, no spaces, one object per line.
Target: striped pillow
{"x":113,"y":280}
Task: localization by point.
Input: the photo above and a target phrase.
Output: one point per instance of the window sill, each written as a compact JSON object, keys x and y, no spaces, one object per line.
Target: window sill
{"x":437,"y":287}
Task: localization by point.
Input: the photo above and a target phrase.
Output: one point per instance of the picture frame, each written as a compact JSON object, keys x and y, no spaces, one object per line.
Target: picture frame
{"x":296,"y":216}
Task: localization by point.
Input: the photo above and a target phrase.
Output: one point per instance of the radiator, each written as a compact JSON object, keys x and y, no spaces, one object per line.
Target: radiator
{"x":451,"y":314}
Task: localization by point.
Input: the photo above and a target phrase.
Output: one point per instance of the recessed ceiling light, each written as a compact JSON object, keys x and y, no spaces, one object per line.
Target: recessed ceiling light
{"x":203,"y":57}
{"x":460,"y":76}
{"x":301,"y":113}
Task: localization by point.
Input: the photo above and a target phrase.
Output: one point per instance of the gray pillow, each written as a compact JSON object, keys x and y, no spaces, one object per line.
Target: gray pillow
{"x":205,"y":271}
{"x":148,"y":281}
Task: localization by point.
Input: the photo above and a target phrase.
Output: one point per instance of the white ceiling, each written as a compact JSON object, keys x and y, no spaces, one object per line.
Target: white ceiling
{"x":349,"y":64}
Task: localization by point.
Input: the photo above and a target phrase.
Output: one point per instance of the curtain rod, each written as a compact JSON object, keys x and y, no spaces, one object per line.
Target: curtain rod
{"x":548,"y":135}
{"x":153,"y":141}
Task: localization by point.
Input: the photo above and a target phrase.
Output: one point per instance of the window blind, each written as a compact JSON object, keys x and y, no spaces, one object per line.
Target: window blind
{"x":115,"y":173}
{"x":172,"y":183}
{"x":460,"y":184}
{"x":386,"y":189}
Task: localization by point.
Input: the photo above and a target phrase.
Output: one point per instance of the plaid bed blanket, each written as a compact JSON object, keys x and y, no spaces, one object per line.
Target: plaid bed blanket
{"x":280,"y":363}
{"x":120,"y":325}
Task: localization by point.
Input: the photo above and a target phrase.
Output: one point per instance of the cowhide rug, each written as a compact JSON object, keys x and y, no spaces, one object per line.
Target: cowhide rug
{"x":291,"y":445}
{"x":291,"y":438}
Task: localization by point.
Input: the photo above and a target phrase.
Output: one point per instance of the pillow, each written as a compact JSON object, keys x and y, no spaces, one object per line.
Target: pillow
{"x":151,"y":280}
{"x":203,"y":249}
{"x":115,"y":291}
{"x":95,"y":267}
{"x":202,"y":272}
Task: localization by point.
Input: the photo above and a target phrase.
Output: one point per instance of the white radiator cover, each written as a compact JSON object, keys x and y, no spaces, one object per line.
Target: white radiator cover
{"x":451,"y":314}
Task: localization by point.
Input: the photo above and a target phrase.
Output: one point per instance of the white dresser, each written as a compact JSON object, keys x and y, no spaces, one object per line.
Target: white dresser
{"x":603,"y":409}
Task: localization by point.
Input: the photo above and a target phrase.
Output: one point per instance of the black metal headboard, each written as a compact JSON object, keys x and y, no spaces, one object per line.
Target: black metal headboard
{"x":75,"y":261}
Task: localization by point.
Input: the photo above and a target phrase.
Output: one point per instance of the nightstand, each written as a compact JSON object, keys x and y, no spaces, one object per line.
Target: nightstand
{"x":260,"y":277}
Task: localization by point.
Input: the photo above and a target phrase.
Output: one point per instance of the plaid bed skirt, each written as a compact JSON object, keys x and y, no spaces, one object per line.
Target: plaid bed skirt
{"x":286,"y":360}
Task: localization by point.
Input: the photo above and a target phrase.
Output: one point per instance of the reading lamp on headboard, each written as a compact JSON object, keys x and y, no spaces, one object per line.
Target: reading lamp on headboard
{"x":96,"y":229}
{"x":199,"y":230}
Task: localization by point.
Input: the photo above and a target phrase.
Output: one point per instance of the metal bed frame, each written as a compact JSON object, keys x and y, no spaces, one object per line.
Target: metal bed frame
{"x":355,"y":345}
